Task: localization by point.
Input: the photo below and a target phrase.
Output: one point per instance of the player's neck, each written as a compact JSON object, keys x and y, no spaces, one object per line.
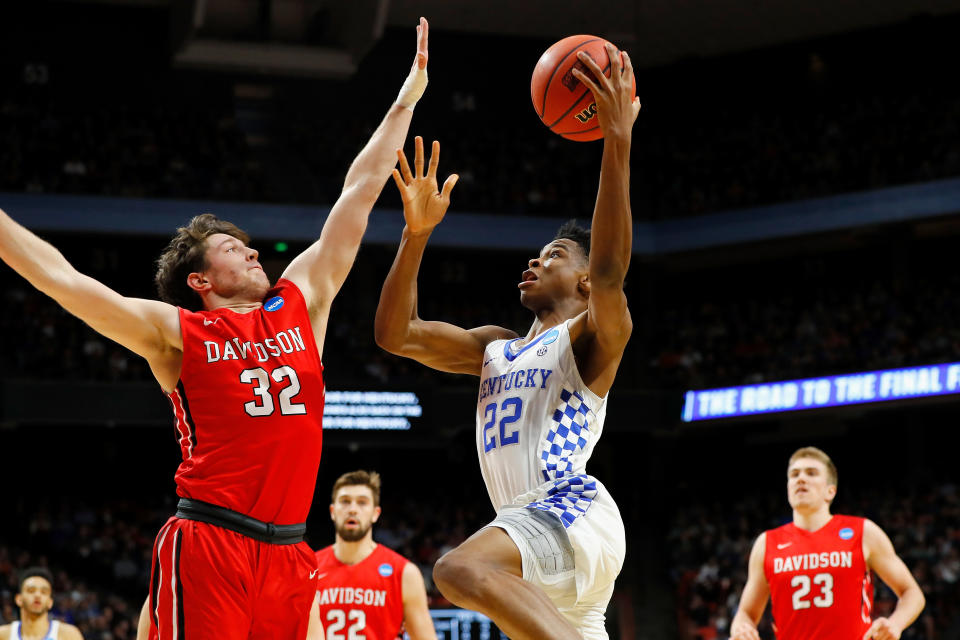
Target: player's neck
{"x":551,"y":317}
{"x":33,"y":626}
{"x":811,"y":521}
{"x":214,"y":302}
{"x":353,"y":552}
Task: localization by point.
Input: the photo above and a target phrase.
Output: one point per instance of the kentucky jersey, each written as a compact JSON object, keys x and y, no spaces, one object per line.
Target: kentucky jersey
{"x":363,"y":600}
{"x":820,"y":586}
{"x":537,"y":425}
{"x":52,"y":632}
{"x":249,"y":407}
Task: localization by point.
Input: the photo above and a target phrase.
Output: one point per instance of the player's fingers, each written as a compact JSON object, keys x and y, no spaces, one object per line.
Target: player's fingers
{"x":418,"y":156}
{"x":627,"y":70}
{"x":434,"y":160}
{"x":423,"y":37}
{"x":401,"y":185}
{"x":404,"y":166}
{"x":616,"y":64}
{"x":587,"y":81}
{"x":448,"y":186}
{"x":599,"y":78}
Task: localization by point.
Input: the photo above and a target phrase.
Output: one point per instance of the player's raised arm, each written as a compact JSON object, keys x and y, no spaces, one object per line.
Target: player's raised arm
{"x":416,"y":614}
{"x":754,"y":598}
{"x":320,"y":271}
{"x":608,"y":322}
{"x":882,"y":558}
{"x":398,"y":327}
{"x":147,"y":327}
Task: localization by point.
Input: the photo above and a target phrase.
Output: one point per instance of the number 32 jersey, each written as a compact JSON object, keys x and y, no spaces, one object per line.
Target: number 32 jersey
{"x":248,"y":408}
{"x":820,"y":586}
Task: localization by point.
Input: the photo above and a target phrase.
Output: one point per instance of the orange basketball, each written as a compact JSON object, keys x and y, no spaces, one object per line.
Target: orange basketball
{"x":564,"y":103}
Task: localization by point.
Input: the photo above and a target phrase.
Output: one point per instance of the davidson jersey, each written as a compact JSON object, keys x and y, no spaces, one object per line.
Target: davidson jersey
{"x":363,"y":600}
{"x":249,"y":406}
{"x":820,"y":586}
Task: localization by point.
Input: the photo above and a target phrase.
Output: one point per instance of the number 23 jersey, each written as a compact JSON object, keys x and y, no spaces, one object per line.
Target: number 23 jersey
{"x":820,"y":586}
{"x":249,"y":407}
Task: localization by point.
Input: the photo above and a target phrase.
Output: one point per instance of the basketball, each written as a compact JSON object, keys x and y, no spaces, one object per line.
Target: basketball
{"x":564,"y":103}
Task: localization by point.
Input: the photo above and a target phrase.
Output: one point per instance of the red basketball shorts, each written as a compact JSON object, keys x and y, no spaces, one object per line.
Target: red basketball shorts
{"x":209,"y":583}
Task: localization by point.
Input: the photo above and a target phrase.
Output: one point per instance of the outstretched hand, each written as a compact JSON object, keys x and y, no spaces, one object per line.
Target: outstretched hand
{"x":423,"y":205}
{"x":416,"y":82}
{"x":423,"y":31}
{"x":617,"y":107}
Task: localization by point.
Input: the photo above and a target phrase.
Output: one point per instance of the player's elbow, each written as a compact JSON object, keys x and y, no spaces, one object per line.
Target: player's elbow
{"x":363,"y":188}
{"x":388,"y":337}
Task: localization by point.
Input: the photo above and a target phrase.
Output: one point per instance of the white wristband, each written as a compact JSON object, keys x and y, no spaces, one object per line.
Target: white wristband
{"x":413,"y":88}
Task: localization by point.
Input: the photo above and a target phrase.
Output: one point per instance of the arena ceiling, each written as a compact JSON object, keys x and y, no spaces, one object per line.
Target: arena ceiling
{"x":659,"y":31}
{"x":212,"y":32}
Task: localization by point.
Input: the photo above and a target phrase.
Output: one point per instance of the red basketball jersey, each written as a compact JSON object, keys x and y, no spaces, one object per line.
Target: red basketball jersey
{"x":820,"y":586}
{"x":249,"y":408}
{"x":363,"y":600}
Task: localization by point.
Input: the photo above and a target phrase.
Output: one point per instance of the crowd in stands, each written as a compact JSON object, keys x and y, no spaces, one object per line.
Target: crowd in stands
{"x":190,"y":137}
{"x":781,"y":333}
{"x":710,"y":542}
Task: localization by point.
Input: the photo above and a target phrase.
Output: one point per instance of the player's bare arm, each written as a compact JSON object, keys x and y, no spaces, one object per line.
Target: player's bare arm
{"x":416,"y":614}
{"x":755,"y":594}
{"x":147,"y":327}
{"x":882,"y":558}
{"x":320,"y":271}
{"x":315,"y":626}
{"x":398,"y":327}
{"x":69,"y":632}
{"x":600,"y":336}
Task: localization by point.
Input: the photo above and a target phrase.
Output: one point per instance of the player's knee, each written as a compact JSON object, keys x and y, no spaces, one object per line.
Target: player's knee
{"x":460,"y":578}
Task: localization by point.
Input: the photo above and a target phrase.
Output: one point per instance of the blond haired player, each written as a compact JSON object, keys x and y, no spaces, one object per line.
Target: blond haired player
{"x":816,"y":570}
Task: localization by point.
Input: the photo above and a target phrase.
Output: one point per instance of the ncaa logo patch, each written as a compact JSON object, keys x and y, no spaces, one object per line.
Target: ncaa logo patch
{"x":846,"y":533}
{"x":551,"y":336}
{"x":273,"y":303}
{"x":385,"y":570}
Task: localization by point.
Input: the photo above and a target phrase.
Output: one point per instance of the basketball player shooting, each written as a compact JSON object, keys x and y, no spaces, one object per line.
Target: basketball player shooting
{"x":545,"y":567}
{"x":240,"y":360}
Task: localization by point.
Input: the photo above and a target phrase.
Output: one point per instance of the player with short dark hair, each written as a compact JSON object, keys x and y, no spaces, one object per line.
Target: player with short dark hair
{"x":35,"y":599}
{"x":816,"y":570}
{"x":240,"y":361}
{"x":545,"y":567}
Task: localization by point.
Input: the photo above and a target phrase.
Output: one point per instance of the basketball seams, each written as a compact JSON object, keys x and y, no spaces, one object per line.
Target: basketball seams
{"x":576,"y":102}
{"x":546,"y":89}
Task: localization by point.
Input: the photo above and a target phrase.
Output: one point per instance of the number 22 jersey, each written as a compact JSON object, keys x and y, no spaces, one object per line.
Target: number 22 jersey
{"x":820,"y":586}
{"x":362,"y":600}
{"x":537,"y":425}
{"x":248,"y":408}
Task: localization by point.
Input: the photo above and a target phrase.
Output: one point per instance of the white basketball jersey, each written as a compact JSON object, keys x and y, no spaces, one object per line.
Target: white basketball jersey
{"x":537,"y":422}
{"x":52,"y":631}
